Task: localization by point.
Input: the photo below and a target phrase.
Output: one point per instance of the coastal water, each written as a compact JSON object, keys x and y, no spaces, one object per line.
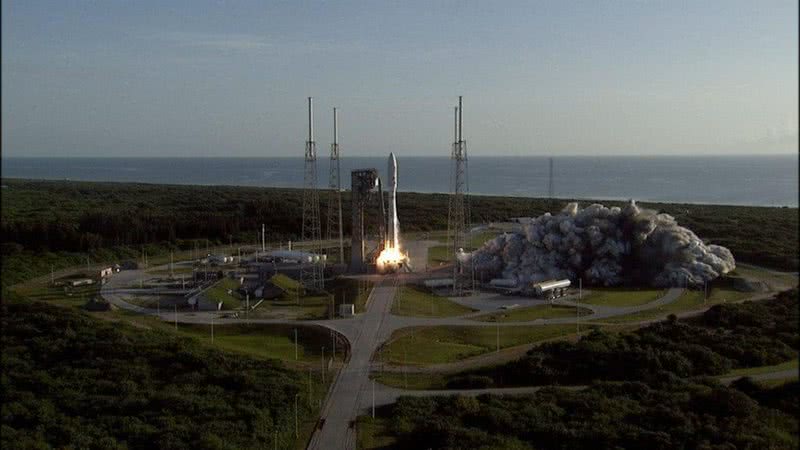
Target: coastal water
{"x":735,"y":180}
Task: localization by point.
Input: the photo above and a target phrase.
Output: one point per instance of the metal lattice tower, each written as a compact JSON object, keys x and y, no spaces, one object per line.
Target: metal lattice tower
{"x":311,"y":233}
{"x":457,"y":212}
{"x":550,"y":190}
{"x":335,"y":200}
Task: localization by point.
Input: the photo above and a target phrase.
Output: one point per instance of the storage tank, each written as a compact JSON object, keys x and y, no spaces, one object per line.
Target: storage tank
{"x":547,"y":286}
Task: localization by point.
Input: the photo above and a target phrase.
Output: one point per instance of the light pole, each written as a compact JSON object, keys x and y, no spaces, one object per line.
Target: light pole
{"x":498,"y":336}
{"x":296,"y":432}
{"x":323,"y":365}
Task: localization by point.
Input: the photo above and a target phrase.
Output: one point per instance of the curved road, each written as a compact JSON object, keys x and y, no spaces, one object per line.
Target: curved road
{"x":352,"y":392}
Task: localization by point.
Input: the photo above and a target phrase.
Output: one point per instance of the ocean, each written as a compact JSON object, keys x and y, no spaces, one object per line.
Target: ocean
{"x":731,"y":180}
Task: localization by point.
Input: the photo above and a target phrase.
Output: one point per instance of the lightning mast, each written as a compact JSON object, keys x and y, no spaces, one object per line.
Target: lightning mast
{"x":458,"y":212}
{"x":311,"y":272}
{"x":335,"y":201}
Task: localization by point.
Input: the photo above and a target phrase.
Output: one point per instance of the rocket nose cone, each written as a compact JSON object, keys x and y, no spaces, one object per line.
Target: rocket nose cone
{"x":391,"y":157}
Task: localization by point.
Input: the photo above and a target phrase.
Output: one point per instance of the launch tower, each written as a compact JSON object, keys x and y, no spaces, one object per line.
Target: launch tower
{"x":335,"y":200}
{"x":458,"y":219}
{"x":311,"y":274}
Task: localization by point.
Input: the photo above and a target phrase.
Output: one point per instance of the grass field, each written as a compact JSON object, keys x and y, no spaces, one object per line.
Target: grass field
{"x":439,"y":254}
{"x":421,"y":346}
{"x":373,"y":434}
{"x":220,"y":293}
{"x":532,"y":313}
{"x":57,"y":295}
{"x":413,"y":381}
{"x":688,"y":301}
{"x":621,"y":297}
{"x":413,"y":301}
{"x":266,"y":341}
{"x":793,"y":364}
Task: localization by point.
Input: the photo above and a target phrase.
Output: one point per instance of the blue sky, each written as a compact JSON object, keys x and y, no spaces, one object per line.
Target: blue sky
{"x":230,"y":78}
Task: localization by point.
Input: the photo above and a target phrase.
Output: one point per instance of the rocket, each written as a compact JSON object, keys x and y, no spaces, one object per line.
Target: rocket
{"x":393,"y":225}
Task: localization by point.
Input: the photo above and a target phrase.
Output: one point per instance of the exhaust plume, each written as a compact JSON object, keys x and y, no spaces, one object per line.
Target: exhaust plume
{"x":604,"y":246}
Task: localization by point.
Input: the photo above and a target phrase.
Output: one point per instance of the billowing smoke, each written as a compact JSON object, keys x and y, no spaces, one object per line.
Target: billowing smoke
{"x":604,"y":246}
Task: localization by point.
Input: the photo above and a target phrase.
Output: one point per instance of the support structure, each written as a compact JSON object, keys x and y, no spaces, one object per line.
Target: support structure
{"x":363,"y":183}
{"x":550,"y":189}
{"x":335,"y":199}
{"x":311,"y":232}
{"x":458,"y":212}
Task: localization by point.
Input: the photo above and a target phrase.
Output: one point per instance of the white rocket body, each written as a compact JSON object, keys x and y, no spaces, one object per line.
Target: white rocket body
{"x":393,"y":227}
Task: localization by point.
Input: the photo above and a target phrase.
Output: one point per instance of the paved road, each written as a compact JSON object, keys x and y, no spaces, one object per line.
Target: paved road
{"x":345,"y":401}
{"x":351,"y":394}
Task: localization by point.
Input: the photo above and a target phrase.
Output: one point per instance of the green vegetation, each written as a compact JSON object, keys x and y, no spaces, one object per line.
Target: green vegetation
{"x":438,"y":255}
{"x":419,"y":346}
{"x":725,"y":337}
{"x":688,"y":301}
{"x":373,"y":433}
{"x":622,"y":297}
{"x":412,"y":380}
{"x":531,"y":313}
{"x":114,"y":221}
{"x":285,"y":283}
{"x":415,"y":301}
{"x":762,"y":369}
{"x":224,"y":291}
{"x":274,"y":341}
{"x":670,"y":415}
{"x":72,"y":381}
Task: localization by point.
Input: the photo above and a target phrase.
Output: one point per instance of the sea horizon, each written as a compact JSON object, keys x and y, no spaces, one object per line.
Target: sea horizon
{"x":746,"y":180}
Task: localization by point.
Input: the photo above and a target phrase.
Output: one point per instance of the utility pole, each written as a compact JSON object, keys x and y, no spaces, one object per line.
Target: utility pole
{"x":498,"y":336}
{"x":333,"y":344}
{"x":309,"y":387}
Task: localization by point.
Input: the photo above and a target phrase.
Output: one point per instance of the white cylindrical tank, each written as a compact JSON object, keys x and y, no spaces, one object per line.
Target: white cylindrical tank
{"x":546,"y":286}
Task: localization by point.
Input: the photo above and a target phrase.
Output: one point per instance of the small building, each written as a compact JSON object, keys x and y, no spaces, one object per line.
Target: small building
{"x":347,"y":310}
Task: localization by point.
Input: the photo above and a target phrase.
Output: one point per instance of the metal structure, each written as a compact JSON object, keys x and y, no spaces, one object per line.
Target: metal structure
{"x":550,"y":190}
{"x":311,"y":275}
{"x":458,"y":219}
{"x":335,"y":200}
{"x":363,"y":182}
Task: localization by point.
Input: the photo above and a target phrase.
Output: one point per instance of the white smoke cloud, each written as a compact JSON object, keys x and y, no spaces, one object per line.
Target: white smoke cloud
{"x":604,"y":246}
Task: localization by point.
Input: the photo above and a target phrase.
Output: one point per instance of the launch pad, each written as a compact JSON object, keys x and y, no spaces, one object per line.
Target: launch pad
{"x":387,"y":256}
